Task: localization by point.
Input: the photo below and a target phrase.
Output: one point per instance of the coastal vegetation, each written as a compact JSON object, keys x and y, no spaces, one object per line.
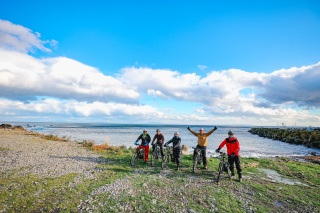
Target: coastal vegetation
{"x":115,"y":186}
{"x":309,"y":138}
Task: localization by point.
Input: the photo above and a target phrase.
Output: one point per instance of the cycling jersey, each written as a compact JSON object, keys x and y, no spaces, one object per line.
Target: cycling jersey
{"x":159,"y":138}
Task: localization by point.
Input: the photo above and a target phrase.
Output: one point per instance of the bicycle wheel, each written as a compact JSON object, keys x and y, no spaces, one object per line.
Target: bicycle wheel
{"x":220,"y":170}
{"x":195,"y":163}
{"x":153,"y":158}
{"x":134,"y":159}
{"x":166,"y":160}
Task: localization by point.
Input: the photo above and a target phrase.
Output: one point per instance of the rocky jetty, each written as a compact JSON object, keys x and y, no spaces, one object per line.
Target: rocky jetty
{"x":309,"y":138}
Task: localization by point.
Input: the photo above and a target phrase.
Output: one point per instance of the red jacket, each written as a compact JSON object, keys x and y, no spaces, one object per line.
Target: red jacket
{"x":233,"y":146}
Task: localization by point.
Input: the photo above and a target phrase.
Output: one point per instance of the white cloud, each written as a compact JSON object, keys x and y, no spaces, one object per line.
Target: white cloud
{"x":202,"y":67}
{"x":157,"y":93}
{"x":22,"y":39}
{"x":298,"y":85}
{"x":24,"y":77}
{"x":221,"y":91}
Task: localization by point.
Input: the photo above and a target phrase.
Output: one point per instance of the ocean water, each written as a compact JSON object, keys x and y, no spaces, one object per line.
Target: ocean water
{"x":126,"y":134}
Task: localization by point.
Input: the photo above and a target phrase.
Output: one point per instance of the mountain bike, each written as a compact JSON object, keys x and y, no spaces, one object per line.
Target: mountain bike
{"x":137,"y":155}
{"x":197,"y":159}
{"x":223,"y":165}
{"x":156,"y":156}
{"x":168,"y":155}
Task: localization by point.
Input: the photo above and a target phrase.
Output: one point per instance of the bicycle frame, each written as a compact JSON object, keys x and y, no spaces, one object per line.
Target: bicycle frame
{"x":223,"y":164}
{"x":156,"y":156}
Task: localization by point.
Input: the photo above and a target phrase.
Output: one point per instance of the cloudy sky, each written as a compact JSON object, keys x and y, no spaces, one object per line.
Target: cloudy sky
{"x":187,"y":62}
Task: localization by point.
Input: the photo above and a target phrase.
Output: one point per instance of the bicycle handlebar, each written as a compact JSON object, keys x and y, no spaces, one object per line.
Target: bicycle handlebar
{"x":197,"y":148}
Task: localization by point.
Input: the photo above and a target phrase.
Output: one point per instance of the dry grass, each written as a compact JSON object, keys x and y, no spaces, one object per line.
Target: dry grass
{"x":107,"y":148}
{"x":50,"y":137}
{"x":87,"y":143}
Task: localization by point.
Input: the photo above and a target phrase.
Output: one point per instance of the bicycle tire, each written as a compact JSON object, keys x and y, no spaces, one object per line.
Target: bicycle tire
{"x":153,"y":158}
{"x":166,"y":160}
{"x":163,"y":162}
{"x":220,"y":170}
{"x":195,"y":163}
{"x":133,"y":160}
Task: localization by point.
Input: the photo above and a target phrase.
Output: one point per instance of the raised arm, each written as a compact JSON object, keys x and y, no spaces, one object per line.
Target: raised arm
{"x":211,"y":131}
{"x":193,"y":132}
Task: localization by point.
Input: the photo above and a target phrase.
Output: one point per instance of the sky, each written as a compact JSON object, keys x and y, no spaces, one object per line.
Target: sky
{"x":166,"y":62}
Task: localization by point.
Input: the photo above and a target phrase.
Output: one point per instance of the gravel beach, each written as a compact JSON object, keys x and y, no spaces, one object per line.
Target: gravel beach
{"x":25,"y":153}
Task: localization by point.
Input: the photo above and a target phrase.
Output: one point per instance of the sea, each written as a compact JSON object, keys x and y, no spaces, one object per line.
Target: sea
{"x":126,"y":134}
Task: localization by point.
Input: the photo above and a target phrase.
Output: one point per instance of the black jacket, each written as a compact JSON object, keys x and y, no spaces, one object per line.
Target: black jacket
{"x":176,"y":141}
{"x":145,"y":140}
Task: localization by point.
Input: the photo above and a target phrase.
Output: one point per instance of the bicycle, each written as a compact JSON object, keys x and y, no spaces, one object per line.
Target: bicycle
{"x":198,"y":158}
{"x":223,"y":165}
{"x":137,"y":154}
{"x":168,"y":155}
{"x":156,"y":156}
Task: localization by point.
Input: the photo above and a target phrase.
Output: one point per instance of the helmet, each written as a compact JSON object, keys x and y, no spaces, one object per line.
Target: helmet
{"x":145,"y":130}
{"x":230,"y":132}
{"x":201,"y":129}
{"x":158,"y":130}
{"x":176,"y":133}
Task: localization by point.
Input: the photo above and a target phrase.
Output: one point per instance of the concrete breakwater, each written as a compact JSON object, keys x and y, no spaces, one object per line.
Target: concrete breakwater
{"x":309,"y":138}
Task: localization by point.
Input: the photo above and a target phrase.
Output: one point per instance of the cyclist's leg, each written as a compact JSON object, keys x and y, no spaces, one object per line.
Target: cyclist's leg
{"x":139,"y":147}
{"x":239,"y":170}
{"x":177,"y":155}
{"x":204,"y":156}
{"x":146,"y":153}
{"x":231,"y":164}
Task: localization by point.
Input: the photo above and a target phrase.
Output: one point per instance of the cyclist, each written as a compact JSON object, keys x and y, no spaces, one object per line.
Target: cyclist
{"x":145,"y":140}
{"x":160,"y":140}
{"x":176,"y":142}
{"x":233,"y":148}
{"x":202,"y":143}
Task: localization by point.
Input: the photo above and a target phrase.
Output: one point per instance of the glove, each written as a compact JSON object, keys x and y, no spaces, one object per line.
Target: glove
{"x":218,"y":150}
{"x":188,"y":128}
{"x":215,"y":128}
{"x":136,"y":143}
{"x":232,"y":155}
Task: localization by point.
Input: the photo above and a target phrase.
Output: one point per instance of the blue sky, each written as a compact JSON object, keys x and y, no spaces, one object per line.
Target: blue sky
{"x":207,"y":62}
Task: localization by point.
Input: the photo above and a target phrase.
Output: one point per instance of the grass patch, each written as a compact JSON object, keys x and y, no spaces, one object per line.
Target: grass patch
{"x":152,"y":189}
{"x":4,"y":149}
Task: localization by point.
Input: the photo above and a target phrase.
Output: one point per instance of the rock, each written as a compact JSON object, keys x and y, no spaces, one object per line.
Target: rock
{"x":185,"y":149}
{"x":313,"y":153}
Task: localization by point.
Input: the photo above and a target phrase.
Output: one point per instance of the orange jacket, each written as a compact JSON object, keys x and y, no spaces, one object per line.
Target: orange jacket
{"x":233,"y":146}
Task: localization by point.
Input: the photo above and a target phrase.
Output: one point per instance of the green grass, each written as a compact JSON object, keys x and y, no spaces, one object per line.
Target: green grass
{"x":157,"y":190}
{"x":4,"y":149}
